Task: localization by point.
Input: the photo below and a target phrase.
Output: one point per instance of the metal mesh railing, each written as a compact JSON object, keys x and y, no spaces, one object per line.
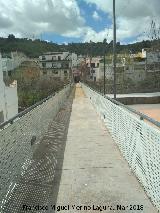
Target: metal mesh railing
{"x":138,"y":141}
{"x":19,"y":140}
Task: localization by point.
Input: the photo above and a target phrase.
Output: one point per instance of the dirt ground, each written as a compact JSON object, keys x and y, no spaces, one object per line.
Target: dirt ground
{"x":152,"y":110}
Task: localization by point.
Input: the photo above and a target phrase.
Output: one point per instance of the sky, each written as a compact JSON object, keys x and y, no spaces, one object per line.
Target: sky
{"x":66,"y":21}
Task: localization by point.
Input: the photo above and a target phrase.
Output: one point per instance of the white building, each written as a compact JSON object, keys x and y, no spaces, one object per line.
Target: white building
{"x":58,"y":64}
{"x":151,"y":56}
{"x":74,"y":60}
{"x":80,"y":59}
{"x":108,"y":71}
{"x":135,"y":71}
{"x":11,"y":61}
{"x":93,"y":65}
{"x":8,"y":98}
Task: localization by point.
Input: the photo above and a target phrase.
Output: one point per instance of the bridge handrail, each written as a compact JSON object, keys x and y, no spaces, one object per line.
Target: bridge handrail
{"x":20,"y":114}
{"x":20,"y":136}
{"x":140,"y":114}
{"x":138,"y":141}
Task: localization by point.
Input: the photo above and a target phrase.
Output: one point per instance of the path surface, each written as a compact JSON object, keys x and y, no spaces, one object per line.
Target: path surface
{"x":94,"y":172}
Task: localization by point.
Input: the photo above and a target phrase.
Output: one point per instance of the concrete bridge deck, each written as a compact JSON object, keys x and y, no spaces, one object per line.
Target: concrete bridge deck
{"x":94,"y":172}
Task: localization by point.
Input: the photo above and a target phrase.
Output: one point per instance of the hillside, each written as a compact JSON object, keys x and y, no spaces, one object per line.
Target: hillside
{"x":34,"y":48}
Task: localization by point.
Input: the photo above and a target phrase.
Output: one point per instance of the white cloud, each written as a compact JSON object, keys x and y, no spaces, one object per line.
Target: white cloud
{"x":23,"y":17}
{"x":96,"y":16}
{"x":133,"y":16}
{"x":47,"y":41}
{"x":33,"y":17}
{"x":90,"y":34}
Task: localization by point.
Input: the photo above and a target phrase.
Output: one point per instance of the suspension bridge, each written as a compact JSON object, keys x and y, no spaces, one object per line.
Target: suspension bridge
{"x":79,"y":151}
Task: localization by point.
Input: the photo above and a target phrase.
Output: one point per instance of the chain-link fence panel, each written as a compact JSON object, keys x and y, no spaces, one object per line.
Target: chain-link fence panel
{"x":19,"y":141}
{"x":138,"y":141}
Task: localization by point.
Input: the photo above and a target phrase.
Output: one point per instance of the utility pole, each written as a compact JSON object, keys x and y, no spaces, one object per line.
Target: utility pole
{"x":90,"y":60}
{"x":114,"y":49}
{"x":104,"y":78}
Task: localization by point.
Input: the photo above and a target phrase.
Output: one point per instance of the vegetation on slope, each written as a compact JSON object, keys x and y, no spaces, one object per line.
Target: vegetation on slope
{"x":34,"y":48}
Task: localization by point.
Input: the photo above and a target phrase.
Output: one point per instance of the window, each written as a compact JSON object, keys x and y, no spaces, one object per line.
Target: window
{"x":43,"y":57}
{"x":55,"y":71}
{"x":59,"y":58}
{"x":54,"y":65}
{"x":63,"y":65}
{"x":93,"y":65}
{"x":9,"y":73}
{"x":97,"y":64}
{"x":43,"y":65}
{"x":66,"y":65}
{"x":65,"y":72}
{"x":53,"y":58}
{"x":4,"y":73}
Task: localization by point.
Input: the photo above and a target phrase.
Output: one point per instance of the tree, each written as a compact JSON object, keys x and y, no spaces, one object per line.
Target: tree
{"x":104,"y":40}
{"x":11,"y":37}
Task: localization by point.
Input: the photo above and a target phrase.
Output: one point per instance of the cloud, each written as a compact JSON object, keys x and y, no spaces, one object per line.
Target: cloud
{"x":47,"y":41}
{"x":96,"y":16}
{"x":26,"y":18}
{"x":92,"y":35}
{"x":5,"y":21}
{"x":129,"y":8}
{"x":38,"y":16}
{"x":133,"y":16}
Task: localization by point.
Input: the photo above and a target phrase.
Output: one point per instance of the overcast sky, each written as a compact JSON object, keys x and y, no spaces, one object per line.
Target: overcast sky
{"x":64,"y":21}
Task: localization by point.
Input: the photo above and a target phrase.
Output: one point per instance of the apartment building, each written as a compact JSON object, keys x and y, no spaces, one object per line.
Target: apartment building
{"x":57,"y":64}
{"x":93,"y":65}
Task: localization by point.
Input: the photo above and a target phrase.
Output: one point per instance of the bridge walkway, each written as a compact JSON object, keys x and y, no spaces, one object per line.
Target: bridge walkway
{"x":94,"y":172}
